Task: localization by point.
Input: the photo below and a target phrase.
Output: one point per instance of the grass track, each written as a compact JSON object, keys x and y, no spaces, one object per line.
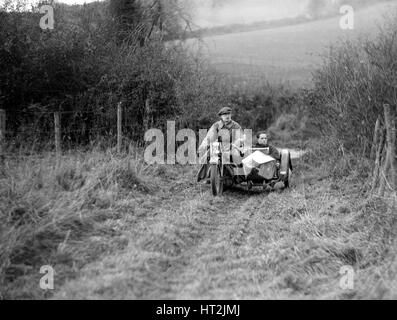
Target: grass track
{"x":245,"y":245}
{"x":113,"y":230}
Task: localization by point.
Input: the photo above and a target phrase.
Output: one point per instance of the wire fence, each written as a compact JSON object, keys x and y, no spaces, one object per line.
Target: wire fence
{"x":28,"y":130}
{"x":37,"y":128}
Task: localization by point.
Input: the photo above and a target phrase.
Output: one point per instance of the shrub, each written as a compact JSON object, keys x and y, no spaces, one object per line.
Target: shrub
{"x":356,"y":79}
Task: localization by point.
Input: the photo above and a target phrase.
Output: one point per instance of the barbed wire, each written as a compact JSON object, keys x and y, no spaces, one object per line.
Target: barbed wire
{"x":89,"y":130}
{"x":64,"y":131}
{"x":100,"y":116}
{"x":52,"y":112}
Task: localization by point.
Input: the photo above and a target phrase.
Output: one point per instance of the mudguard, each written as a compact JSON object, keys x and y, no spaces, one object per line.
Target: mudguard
{"x":203,"y":172}
{"x":286,"y":165}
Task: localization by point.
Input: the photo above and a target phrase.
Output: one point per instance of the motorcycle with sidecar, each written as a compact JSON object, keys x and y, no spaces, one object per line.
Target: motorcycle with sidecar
{"x":257,"y":168}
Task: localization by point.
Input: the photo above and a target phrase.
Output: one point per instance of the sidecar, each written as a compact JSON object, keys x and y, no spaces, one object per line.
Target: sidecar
{"x":257,"y":168}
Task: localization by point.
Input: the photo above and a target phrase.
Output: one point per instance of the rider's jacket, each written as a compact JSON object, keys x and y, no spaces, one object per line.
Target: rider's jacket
{"x":234,"y":129}
{"x":235,"y":133}
{"x":273,"y":152}
{"x":218,"y":130}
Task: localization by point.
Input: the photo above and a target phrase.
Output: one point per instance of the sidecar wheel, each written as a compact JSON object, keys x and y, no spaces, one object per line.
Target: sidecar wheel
{"x":216,"y":180}
{"x":286,"y":181}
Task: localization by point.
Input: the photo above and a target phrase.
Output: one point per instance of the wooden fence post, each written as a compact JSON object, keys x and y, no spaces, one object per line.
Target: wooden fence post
{"x":57,"y":124}
{"x":375,"y":140}
{"x":389,"y":171}
{"x":378,"y":159}
{"x":146,"y":123}
{"x":2,"y":134}
{"x":2,"y":126}
{"x":119,"y":127}
{"x":393,"y":150}
{"x":391,"y":141}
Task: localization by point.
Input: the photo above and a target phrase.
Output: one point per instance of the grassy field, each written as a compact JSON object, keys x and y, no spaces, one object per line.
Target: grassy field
{"x":286,"y":54}
{"x":115,"y":228}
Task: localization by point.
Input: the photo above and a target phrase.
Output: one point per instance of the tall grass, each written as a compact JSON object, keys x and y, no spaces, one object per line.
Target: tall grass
{"x":64,"y":213}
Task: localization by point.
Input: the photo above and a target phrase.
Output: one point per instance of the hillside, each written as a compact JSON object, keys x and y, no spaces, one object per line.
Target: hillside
{"x":286,"y":54}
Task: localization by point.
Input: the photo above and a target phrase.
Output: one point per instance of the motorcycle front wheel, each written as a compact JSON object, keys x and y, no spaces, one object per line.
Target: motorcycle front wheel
{"x":216,"y":180}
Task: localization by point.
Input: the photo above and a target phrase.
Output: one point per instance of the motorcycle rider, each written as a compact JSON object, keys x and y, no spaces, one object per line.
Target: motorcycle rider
{"x":225,"y":130}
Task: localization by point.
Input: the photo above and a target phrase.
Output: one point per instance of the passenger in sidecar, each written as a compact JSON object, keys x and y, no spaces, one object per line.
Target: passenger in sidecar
{"x":263,"y":142}
{"x":266,"y":165}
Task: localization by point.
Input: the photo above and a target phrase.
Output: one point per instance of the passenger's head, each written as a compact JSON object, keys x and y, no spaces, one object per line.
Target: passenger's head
{"x":262,"y":138}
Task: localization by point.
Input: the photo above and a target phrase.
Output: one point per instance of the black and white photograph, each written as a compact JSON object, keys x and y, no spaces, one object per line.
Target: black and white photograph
{"x":198,"y":150}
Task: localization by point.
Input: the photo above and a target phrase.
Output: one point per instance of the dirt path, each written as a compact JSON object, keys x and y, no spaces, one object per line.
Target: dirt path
{"x":186,"y":244}
{"x":183,"y":244}
{"x":171,"y":239}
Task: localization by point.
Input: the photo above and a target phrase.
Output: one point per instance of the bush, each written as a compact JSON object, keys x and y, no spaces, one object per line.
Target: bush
{"x":356,"y":79}
{"x":88,"y":64}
